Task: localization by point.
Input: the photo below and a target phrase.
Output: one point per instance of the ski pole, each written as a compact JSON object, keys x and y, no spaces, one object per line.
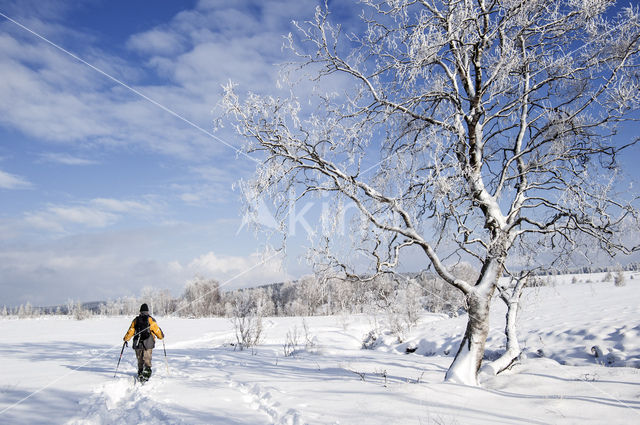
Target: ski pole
{"x":166,"y":362}
{"x":118,"y":365}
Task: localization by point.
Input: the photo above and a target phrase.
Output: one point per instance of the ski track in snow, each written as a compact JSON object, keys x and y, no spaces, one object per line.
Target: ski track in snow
{"x":257,"y":398}
{"x":254,"y":395}
{"x":123,"y":401}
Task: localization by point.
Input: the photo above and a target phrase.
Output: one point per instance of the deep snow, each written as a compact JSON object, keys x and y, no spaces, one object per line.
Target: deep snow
{"x":56,"y":370}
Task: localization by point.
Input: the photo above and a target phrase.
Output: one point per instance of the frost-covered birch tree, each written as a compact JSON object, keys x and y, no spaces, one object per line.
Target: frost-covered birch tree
{"x":493,"y":121}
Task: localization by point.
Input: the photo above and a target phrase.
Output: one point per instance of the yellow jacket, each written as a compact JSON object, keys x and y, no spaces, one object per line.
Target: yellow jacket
{"x":153,"y":327}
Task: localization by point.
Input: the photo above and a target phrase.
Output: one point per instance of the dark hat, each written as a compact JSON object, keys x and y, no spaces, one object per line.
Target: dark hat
{"x":144,"y":308}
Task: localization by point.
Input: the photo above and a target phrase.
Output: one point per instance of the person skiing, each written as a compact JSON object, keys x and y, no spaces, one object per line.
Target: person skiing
{"x":144,"y":331}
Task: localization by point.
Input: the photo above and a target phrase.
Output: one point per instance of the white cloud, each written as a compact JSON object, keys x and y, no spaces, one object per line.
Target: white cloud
{"x":97,"y":213}
{"x":209,"y":185}
{"x":103,"y":265}
{"x":85,"y":215}
{"x":120,"y":206}
{"x":50,"y":96}
{"x":11,"y":181}
{"x":51,"y":274}
{"x":191,"y":197}
{"x":210,"y":263}
{"x":50,"y":9}
{"x":65,"y":159}
{"x":235,"y":271}
{"x":223,"y":40}
{"x":156,"y":42}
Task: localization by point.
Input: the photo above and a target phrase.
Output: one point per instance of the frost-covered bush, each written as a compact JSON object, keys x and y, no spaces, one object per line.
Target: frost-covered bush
{"x":290,"y":345}
{"x":371,"y":340}
{"x":396,"y":325}
{"x":619,"y":279}
{"x":246,"y":319}
{"x":399,"y":298}
{"x":309,"y":339}
{"x":292,"y":342}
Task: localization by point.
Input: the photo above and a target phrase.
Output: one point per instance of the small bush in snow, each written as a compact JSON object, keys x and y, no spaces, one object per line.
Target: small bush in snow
{"x":397,"y":325}
{"x":371,"y":340}
{"x":291,"y":342}
{"x":246,"y":318}
{"x":619,"y":279}
{"x":248,"y":331}
{"x":309,"y":340}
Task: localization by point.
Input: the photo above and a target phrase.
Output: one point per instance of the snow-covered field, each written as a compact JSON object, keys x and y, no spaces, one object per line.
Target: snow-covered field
{"x":55,"y":371}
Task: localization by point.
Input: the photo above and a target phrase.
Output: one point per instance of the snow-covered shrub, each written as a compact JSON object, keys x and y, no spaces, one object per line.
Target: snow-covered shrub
{"x":246,"y":319}
{"x":291,"y":342}
{"x":399,"y":299}
{"x":403,"y":314}
{"x":396,"y":324}
{"x":309,"y":340}
{"x":412,"y":303}
{"x":371,"y":340}
{"x":619,"y":279}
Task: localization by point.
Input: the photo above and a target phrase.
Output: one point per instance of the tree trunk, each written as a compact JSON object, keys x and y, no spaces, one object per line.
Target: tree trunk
{"x":465,"y":366}
{"x":513,"y":346}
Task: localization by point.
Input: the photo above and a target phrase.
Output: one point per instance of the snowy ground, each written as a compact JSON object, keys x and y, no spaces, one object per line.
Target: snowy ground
{"x":55,"y":371}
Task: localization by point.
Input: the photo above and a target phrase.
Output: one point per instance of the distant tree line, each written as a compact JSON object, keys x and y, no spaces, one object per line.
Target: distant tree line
{"x":406,"y":294}
{"x":403,"y":295}
{"x":631,"y":267}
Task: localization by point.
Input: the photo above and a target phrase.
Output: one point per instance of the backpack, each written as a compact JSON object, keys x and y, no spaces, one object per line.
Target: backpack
{"x":142,"y":331}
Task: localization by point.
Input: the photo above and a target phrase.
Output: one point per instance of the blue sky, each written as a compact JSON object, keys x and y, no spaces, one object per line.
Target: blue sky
{"x":102,"y":191}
